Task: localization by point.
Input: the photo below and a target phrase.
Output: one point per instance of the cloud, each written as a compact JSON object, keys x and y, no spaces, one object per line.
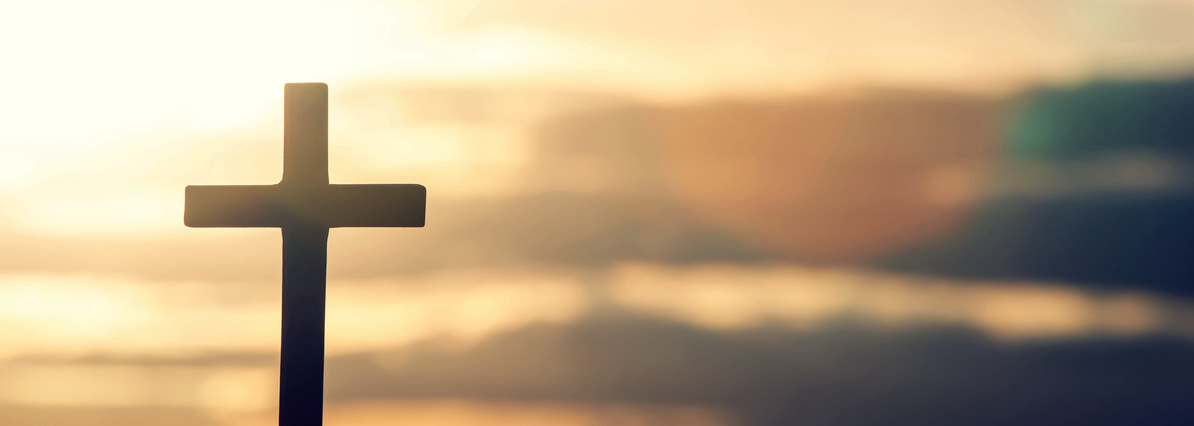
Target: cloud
{"x":840,"y":375}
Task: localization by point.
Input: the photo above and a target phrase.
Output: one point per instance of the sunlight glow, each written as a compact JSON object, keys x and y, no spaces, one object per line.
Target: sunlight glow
{"x":97,"y":72}
{"x":216,"y":389}
{"x":122,"y":212}
{"x":730,"y":298}
{"x":46,"y":314}
{"x":463,"y":306}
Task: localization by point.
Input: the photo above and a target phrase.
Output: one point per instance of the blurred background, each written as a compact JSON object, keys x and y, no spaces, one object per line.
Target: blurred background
{"x":713,"y":212}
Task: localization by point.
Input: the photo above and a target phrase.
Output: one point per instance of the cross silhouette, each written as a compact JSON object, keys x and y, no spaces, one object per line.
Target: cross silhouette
{"x":305,"y":206}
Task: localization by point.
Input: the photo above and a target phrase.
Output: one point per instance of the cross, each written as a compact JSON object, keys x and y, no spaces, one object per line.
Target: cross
{"x":305,"y":206}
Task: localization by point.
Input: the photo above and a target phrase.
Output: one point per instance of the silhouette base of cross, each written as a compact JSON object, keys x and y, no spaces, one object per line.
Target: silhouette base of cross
{"x":305,"y":205}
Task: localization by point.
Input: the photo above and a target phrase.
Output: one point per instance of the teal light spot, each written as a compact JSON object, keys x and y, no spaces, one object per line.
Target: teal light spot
{"x":1101,"y":118}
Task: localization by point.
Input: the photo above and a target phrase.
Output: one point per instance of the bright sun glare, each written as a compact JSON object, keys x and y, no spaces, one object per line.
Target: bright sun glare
{"x":99,"y":72}
{"x":95,"y":84}
{"x":85,"y":75}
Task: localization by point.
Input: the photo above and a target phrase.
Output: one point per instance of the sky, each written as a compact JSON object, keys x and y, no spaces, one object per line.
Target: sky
{"x":114,"y":79}
{"x":707,"y":174}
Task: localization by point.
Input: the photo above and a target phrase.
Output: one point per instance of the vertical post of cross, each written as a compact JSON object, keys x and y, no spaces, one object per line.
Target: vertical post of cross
{"x":304,"y":258}
{"x":304,"y":294}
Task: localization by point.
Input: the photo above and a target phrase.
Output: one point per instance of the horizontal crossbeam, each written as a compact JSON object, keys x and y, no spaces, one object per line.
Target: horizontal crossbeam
{"x":322,"y":206}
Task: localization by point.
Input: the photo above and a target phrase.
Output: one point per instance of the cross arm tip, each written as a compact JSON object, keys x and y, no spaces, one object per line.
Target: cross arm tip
{"x":230,"y":206}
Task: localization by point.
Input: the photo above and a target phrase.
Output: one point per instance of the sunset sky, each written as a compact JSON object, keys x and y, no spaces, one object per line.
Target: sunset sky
{"x":110,"y":108}
{"x":162,"y":88}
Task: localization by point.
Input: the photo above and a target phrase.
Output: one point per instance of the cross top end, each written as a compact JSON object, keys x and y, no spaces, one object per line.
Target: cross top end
{"x":305,"y":198}
{"x":304,"y":135}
